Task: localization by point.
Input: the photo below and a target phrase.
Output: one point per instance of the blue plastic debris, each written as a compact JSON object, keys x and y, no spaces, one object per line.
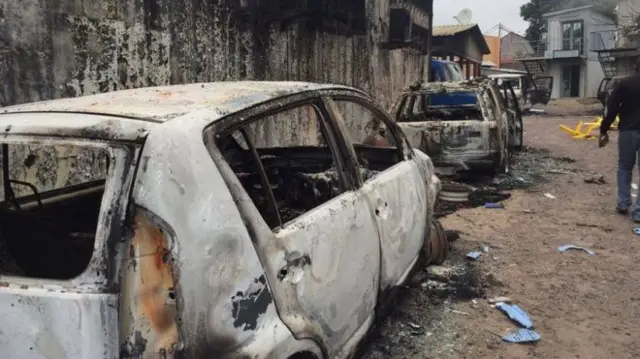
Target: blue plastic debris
{"x":473,"y":255}
{"x":494,"y":205}
{"x":522,"y":336}
{"x":516,"y":314}
{"x":637,"y":231}
{"x":571,"y":246}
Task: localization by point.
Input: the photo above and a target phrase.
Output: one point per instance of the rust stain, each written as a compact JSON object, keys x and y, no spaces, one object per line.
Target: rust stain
{"x":154,"y":286}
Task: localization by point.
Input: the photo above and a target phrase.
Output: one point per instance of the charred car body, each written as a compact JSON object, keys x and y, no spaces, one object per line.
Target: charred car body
{"x":462,"y":126}
{"x":220,"y":220}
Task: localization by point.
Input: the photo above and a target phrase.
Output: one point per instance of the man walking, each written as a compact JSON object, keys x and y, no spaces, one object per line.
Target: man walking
{"x":624,"y":102}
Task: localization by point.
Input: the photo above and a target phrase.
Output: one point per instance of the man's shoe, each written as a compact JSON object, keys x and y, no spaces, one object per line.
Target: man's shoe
{"x":624,"y":211}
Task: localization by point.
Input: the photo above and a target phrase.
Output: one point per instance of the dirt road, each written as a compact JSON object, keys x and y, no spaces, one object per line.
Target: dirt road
{"x":583,"y":306}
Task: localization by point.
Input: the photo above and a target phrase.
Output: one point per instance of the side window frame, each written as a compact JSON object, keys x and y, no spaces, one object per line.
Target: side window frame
{"x":238,"y":122}
{"x":402,"y":144}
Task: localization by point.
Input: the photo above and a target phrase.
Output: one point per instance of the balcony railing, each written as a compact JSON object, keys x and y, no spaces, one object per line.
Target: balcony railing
{"x":554,"y":48}
{"x":602,"y":40}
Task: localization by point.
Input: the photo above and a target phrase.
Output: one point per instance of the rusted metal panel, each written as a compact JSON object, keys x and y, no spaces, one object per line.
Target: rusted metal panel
{"x":148,"y":314}
{"x":224,"y":300}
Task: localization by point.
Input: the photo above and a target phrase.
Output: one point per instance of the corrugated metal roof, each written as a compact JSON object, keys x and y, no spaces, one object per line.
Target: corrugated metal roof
{"x":448,"y":30}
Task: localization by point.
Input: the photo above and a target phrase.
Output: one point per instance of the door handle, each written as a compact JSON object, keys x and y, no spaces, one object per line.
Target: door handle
{"x":295,"y":262}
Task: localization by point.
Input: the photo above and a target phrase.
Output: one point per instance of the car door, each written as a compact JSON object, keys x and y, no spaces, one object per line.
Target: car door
{"x":391,"y":181}
{"x":322,"y":261}
{"x":498,"y":127}
{"x":516,"y":126}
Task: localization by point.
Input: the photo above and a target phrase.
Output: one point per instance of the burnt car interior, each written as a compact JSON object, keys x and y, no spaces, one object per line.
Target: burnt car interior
{"x":49,"y":212}
{"x":285,"y":164}
{"x":426,"y":107}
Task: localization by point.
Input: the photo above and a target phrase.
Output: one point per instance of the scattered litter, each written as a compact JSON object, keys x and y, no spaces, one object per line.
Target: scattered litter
{"x":414,"y":326}
{"x":494,"y":205}
{"x":634,"y":186}
{"x":522,"y":336}
{"x":560,"y":172}
{"x":549,"y":195}
{"x":595,"y":180}
{"x":459,"y":312}
{"x":474,"y":255}
{"x":527,"y":211}
{"x":500,"y":300}
{"x":536,"y":110}
{"x":571,"y":246}
{"x":636,"y":230}
{"x":516,"y":314}
{"x":485,"y":249}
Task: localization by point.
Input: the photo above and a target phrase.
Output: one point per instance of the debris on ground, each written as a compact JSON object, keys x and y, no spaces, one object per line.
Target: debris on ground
{"x":567,"y":247}
{"x":494,"y":205}
{"x":549,"y":195}
{"x":595,"y":180}
{"x":522,"y":336}
{"x":499,"y":299}
{"x":516,"y":314}
{"x":420,"y":324}
{"x":474,"y":255}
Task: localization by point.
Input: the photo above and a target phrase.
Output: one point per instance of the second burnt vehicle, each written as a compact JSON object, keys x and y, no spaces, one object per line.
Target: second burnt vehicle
{"x":218,"y":220}
{"x":462,"y":126}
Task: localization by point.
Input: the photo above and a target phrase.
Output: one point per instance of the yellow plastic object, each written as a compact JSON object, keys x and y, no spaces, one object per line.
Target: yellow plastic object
{"x":583,"y":130}
{"x":568,"y":130}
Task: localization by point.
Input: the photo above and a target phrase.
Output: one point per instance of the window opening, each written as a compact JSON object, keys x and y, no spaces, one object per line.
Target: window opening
{"x":49,"y":208}
{"x":284,"y":163}
{"x":375,"y":146}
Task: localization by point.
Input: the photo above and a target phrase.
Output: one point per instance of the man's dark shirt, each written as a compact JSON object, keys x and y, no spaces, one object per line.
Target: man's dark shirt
{"x":624,"y":102}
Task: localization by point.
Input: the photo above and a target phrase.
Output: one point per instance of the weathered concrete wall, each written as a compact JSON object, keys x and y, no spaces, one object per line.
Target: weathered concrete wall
{"x":62,"y":48}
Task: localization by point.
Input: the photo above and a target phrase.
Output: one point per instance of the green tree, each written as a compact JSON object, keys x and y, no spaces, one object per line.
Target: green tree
{"x":532,"y":13}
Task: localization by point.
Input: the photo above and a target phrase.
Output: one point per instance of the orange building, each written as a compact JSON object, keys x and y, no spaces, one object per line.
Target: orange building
{"x":494,"y":46}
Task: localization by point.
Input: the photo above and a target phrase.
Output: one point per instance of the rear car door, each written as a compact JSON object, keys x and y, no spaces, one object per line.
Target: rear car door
{"x":516,"y":126}
{"x":315,"y":234}
{"x":390,"y":179}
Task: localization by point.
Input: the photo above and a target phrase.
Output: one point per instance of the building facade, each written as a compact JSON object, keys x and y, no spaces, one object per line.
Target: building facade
{"x":74,"y":48}
{"x":568,"y":51}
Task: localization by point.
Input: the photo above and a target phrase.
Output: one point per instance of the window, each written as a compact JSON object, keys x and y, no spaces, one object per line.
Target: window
{"x":572,"y":34}
{"x":50,"y":201}
{"x":455,"y":72}
{"x":284,"y":162}
{"x":452,"y":106}
{"x":374,"y":144}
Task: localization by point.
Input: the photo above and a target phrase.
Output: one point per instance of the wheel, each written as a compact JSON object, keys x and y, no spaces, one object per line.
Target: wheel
{"x":437,"y":246}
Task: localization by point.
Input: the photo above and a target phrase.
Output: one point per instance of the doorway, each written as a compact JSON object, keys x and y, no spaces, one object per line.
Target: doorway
{"x":571,"y":81}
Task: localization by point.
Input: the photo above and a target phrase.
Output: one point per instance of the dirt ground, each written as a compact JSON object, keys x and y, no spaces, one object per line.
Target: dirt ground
{"x":583,"y":306}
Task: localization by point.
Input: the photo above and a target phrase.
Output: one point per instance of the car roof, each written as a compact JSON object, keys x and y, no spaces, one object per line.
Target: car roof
{"x":162,"y":103}
{"x":150,"y":106}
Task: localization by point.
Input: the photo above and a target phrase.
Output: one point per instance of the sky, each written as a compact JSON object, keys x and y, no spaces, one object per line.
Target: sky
{"x":486,"y":13}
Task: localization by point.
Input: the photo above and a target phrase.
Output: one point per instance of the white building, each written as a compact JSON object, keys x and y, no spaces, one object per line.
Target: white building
{"x":567,"y":52}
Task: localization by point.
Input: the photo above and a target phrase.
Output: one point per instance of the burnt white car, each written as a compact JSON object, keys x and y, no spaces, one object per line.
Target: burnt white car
{"x":462,"y":126}
{"x":218,"y":220}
